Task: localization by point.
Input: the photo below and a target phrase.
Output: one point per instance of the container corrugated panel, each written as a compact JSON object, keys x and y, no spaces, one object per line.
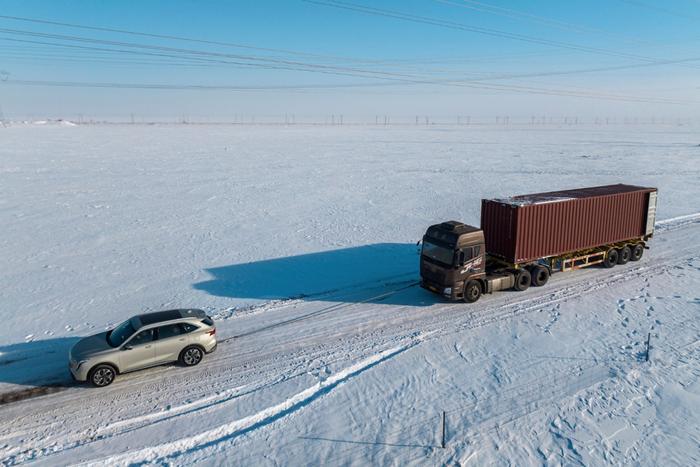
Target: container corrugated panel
{"x":528,"y":227}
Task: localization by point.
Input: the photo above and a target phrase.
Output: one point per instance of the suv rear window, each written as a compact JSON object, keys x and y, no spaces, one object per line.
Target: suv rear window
{"x":208,"y":321}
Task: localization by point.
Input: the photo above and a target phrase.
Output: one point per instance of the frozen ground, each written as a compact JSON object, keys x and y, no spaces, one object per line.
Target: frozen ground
{"x":301,"y":241}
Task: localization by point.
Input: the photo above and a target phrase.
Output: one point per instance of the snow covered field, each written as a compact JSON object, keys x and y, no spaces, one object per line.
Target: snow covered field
{"x":301,"y":241}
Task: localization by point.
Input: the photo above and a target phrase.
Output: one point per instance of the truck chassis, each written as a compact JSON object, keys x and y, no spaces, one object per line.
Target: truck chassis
{"x":502,"y":275}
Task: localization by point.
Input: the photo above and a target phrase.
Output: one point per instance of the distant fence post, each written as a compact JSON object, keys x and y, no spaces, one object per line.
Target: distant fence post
{"x":648,"y":346}
{"x":442,"y":438}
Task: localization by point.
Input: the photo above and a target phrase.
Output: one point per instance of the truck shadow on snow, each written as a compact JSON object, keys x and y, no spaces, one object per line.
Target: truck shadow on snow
{"x":31,"y":369}
{"x":368,"y":273}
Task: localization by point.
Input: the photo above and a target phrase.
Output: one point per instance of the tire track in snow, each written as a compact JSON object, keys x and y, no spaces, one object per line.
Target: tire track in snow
{"x":62,"y":444}
{"x":239,"y":427}
{"x":677,"y":222}
{"x":336,"y":294}
{"x":485,"y":317}
{"x":322,"y":311}
{"x":662,"y":226}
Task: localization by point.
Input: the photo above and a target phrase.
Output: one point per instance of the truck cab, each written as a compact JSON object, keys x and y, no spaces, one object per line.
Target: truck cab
{"x":453,"y":254}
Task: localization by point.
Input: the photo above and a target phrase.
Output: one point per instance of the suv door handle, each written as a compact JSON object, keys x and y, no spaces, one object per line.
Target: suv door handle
{"x":182,"y":338}
{"x":148,"y":346}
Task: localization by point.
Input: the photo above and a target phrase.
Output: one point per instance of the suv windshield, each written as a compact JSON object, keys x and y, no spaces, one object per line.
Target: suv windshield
{"x":438,"y":253}
{"x":120,"y":334}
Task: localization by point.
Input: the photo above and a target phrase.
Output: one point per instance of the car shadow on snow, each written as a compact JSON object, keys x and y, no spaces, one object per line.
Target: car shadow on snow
{"x":35,"y":368}
{"x":378,"y":273}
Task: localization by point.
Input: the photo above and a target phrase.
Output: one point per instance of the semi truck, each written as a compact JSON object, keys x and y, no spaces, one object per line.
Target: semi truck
{"x":524,"y":239}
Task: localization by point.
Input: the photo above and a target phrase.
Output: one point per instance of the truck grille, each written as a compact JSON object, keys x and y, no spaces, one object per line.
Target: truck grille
{"x":434,"y":276}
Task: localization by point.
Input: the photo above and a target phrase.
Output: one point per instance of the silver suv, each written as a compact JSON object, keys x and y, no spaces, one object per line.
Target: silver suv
{"x":143,"y":341}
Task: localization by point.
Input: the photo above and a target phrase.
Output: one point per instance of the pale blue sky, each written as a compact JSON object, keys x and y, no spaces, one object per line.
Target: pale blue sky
{"x":355,"y":57}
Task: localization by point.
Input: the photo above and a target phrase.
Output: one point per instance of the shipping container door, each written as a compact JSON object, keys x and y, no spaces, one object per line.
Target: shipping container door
{"x":651,"y":213}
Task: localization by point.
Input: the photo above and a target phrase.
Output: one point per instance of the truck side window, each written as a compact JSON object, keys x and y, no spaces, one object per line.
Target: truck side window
{"x":477,"y":251}
{"x":466,"y":255}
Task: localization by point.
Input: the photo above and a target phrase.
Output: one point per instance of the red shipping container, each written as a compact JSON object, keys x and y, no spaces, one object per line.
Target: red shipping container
{"x":528,"y":227}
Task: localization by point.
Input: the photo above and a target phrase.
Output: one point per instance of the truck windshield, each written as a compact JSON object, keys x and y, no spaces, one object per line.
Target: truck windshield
{"x":438,"y":253}
{"x":121,"y":333}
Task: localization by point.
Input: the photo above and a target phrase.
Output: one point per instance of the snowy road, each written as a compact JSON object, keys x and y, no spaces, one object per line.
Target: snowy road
{"x":292,"y":354}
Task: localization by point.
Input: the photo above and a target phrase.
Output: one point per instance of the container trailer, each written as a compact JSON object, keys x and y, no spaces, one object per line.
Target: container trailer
{"x":524,"y":239}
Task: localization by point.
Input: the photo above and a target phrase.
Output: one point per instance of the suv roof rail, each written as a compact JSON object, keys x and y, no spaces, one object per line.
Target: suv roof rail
{"x":169,"y":315}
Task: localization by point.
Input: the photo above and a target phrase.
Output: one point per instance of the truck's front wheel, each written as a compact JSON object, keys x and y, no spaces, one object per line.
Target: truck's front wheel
{"x":472,"y":292}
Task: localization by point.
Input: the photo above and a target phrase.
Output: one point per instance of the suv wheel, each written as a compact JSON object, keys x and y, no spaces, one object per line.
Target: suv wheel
{"x":190,"y":356}
{"x":102,"y":375}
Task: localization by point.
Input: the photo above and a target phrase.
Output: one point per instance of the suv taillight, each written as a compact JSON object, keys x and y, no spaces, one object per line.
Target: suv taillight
{"x":212,"y":332}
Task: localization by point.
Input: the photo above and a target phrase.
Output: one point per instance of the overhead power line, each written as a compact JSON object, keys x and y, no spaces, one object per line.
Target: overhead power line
{"x":205,"y":61}
{"x":555,"y":23}
{"x":475,"y":29}
{"x":216,"y":57}
{"x":205,"y":87}
{"x":661,"y":9}
{"x":202,"y":56}
{"x":247,"y":60}
{"x":399,"y":79}
{"x":180,"y":38}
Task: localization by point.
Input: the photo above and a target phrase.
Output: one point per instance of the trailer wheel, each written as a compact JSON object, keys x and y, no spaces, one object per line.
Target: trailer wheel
{"x":540,"y":276}
{"x":623,"y":255}
{"x":637,"y":252}
{"x":610,"y":258}
{"x":472,"y":291}
{"x":522,"y":280}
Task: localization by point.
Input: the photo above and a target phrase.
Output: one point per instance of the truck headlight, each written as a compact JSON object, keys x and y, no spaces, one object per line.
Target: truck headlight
{"x":447,"y":291}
